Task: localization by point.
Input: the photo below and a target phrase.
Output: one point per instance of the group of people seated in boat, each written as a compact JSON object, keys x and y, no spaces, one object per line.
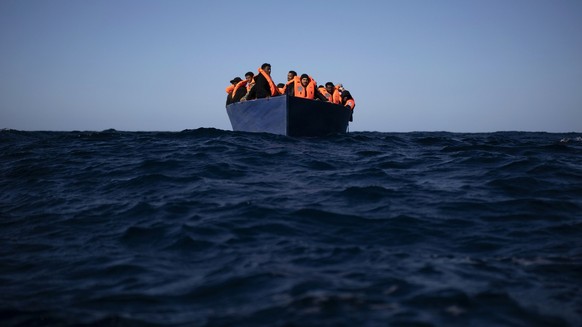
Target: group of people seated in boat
{"x":262,"y":86}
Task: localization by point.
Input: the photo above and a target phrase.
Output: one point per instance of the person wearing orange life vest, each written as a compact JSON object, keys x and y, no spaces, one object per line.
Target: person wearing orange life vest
{"x":264,"y":85}
{"x":230,"y":89}
{"x":291,"y":77}
{"x":349,"y":102}
{"x":240,"y":91}
{"x":305,"y":87}
{"x":243,"y":87}
{"x":250,"y":78}
{"x":331,"y":93}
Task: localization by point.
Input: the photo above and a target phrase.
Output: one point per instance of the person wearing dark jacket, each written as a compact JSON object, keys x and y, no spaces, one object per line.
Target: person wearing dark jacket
{"x":264,"y":86}
{"x":239,"y":93}
{"x":230,"y":88}
{"x":305,"y":87}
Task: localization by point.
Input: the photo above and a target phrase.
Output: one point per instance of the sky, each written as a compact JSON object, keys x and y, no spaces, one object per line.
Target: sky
{"x":411,"y":65}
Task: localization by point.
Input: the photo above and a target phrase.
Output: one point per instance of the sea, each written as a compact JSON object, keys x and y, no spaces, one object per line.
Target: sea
{"x":208,"y":227}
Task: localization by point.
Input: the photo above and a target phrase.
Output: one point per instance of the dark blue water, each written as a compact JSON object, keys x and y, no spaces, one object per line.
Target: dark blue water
{"x":217,"y":228}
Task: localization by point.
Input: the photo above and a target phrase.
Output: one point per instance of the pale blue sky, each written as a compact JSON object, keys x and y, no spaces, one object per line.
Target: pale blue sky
{"x":411,"y":65}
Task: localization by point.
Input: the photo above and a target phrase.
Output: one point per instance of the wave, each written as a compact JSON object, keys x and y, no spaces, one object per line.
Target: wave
{"x":212,"y":227}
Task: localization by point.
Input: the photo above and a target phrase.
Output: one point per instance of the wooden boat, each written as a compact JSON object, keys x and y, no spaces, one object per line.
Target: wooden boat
{"x":287,"y":115}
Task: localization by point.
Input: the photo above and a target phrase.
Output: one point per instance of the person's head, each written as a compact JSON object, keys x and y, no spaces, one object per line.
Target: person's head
{"x":340,"y":87}
{"x":249,"y":76}
{"x":267,"y":68}
{"x":329,"y":87}
{"x":235,"y":80}
{"x":304,"y":79}
{"x":280,"y":85}
{"x":291,"y":74}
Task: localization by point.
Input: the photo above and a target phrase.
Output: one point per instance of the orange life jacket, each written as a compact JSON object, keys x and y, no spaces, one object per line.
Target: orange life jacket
{"x":307,"y":92}
{"x":288,"y":83}
{"x":337,"y":96}
{"x":333,"y":98}
{"x":326,"y":94}
{"x":229,"y":88}
{"x":272,"y":86}
{"x":238,"y":86}
{"x":350,"y":103}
